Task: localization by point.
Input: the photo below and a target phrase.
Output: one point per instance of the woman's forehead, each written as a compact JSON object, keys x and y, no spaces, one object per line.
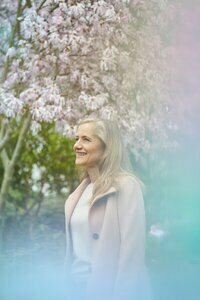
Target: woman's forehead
{"x":86,"y":129}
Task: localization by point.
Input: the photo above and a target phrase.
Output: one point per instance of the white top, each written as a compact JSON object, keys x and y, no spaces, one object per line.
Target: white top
{"x":81,"y":236}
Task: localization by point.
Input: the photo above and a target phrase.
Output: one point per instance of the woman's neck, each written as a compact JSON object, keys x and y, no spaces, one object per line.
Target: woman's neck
{"x":93,"y":174}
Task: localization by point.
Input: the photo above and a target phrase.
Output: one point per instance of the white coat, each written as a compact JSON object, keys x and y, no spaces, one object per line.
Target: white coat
{"x":117,"y":224}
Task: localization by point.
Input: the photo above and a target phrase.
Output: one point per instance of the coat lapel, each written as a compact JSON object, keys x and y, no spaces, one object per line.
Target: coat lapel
{"x":111,"y":190}
{"x":75,"y":196}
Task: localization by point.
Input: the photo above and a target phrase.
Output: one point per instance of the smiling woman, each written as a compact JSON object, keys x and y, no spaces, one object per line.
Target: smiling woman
{"x":105,"y":220}
{"x":88,"y":148}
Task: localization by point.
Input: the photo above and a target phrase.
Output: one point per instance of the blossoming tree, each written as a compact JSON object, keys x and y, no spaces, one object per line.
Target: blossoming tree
{"x":64,"y":60}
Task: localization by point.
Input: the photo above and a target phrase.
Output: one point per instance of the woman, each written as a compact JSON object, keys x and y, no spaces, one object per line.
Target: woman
{"x":105,"y":221}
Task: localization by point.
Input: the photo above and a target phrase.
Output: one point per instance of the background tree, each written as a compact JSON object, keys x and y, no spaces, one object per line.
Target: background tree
{"x":44,"y":171}
{"x":69,"y":59}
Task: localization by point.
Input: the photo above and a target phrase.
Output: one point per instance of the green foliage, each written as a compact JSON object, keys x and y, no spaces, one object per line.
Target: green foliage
{"x":45,"y":170}
{"x":53,"y":156}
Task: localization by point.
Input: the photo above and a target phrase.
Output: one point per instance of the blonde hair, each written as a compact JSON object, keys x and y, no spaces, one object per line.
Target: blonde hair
{"x":115,"y":160}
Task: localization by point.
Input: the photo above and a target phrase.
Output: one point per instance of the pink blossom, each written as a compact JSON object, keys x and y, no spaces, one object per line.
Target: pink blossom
{"x":92,"y":57}
{"x":10,"y":106}
{"x":108,"y":113}
{"x":29,"y":95}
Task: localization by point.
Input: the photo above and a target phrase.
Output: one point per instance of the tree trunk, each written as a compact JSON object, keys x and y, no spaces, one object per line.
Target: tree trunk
{"x":9,"y":166}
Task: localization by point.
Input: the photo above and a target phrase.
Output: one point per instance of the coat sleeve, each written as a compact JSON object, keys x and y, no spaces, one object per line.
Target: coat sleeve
{"x":131,"y":279}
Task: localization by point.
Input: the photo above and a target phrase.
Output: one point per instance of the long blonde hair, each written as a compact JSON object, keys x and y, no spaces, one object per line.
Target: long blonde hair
{"x":115,"y":160}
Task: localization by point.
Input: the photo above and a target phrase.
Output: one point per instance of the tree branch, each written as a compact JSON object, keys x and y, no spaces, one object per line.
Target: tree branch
{"x":5,"y":159}
{"x":41,"y":4}
{"x":20,"y":140}
{"x":4,"y":139}
{"x":29,"y":210}
{"x":28,"y":3}
{"x":2,"y":129}
{"x":4,"y":136}
{"x":39,"y":205}
{"x":10,"y":164}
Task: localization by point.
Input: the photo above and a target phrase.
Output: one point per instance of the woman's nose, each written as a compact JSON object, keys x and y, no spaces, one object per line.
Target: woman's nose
{"x":77,"y":145}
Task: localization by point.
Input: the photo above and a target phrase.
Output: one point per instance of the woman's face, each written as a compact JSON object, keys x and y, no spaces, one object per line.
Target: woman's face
{"x":88,"y":147}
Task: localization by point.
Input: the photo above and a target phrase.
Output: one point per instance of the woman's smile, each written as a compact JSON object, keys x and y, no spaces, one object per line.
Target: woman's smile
{"x":80,"y":153}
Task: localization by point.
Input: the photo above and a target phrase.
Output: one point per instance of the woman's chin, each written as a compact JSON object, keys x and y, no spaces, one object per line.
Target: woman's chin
{"x":80,"y":163}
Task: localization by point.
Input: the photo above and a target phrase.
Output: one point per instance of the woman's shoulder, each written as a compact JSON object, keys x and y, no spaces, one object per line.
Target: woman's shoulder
{"x":126,"y":180}
{"x":130,"y":194}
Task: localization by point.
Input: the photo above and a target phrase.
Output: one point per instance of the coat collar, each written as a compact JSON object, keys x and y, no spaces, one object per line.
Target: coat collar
{"x":75,"y":196}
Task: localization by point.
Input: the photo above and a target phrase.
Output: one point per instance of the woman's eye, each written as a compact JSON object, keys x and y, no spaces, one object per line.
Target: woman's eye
{"x":84,"y":139}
